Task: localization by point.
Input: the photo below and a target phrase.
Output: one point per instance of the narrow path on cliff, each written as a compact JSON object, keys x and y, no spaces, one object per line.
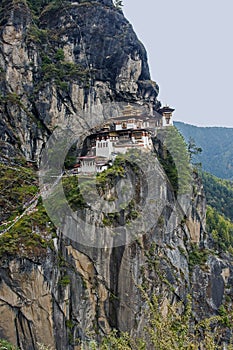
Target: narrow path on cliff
{"x":31,"y":205}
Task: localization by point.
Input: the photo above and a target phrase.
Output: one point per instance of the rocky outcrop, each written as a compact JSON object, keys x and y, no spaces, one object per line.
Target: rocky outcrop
{"x":26,"y":305}
{"x":212,"y":285}
{"x":76,"y":293}
{"x":76,"y":56}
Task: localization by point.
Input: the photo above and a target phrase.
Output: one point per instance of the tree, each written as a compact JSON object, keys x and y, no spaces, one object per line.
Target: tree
{"x":193,"y":149}
{"x":175,"y":330}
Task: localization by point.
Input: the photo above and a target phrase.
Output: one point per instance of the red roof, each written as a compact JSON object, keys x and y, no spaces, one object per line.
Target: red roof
{"x":87,"y":157}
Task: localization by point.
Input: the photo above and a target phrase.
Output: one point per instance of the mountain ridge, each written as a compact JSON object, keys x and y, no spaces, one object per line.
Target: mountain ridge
{"x":203,"y":126}
{"x":217,"y":147}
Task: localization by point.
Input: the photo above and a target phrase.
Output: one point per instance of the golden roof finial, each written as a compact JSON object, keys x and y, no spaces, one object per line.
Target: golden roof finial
{"x":128,"y":111}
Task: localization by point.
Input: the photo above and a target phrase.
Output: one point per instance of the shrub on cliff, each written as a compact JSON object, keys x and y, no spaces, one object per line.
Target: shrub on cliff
{"x":175,"y":159}
{"x":172,"y":330}
{"x":5,"y":345}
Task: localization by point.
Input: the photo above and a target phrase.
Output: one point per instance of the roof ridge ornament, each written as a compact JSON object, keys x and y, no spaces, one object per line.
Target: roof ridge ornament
{"x":131,"y":111}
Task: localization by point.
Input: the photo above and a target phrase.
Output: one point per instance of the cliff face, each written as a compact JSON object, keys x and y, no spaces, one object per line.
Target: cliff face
{"x":54,"y":69}
{"x":68,"y":294}
{"x":74,"y":56}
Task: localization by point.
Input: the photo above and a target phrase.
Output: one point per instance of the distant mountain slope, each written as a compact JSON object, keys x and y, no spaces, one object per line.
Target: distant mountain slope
{"x":217,"y":146}
{"x":219,"y":194}
{"x":219,"y":216}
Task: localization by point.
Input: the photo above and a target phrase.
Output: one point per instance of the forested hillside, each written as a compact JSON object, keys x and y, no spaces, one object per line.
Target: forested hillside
{"x":216,"y":158}
{"x":217,"y":148}
{"x":219,"y":216}
{"x":219,"y":194}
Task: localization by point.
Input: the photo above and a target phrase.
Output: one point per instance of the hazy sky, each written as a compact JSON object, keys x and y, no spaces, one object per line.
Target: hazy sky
{"x":190,"y":50}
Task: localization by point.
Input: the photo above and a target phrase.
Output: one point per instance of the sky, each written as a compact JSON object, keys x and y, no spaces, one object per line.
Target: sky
{"x":190,"y":52}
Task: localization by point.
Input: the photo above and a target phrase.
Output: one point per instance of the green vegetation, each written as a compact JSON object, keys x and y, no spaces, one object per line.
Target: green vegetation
{"x":166,"y":328}
{"x":174,"y":157}
{"x":12,"y":98}
{"x":37,"y":6}
{"x":71,"y":158}
{"x":198,"y":256}
{"x":30,"y":235}
{"x":109,"y":177}
{"x":124,"y":165}
{"x":110,"y":219}
{"x":73,"y":188}
{"x":63,"y":71}
{"x":70,"y":324}
{"x":64,"y":281}
{"x":18,"y":185}
{"x":219,"y":218}
{"x":225,"y":319}
{"x":5,"y":345}
{"x":133,"y":213}
{"x":37,"y":35}
{"x":217,"y":148}
{"x":219,"y":194}
{"x":194,"y":151}
{"x":59,"y":56}
{"x":171,"y":329}
{"x":221,"y":229}
{"x":53,"y":65}
{"x":78,"y":188}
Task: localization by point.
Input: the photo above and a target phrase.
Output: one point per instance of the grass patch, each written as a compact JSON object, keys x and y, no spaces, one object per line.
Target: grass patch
{"x":18,"y":185}
{"x":30,"y":236}
{"x":198,"y":256}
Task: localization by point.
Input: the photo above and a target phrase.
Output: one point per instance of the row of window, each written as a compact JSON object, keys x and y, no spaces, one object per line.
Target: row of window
{"x":102,"y":144}
{"x":90,"y":163}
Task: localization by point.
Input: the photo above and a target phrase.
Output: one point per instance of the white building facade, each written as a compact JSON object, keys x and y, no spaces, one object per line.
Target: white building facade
{"x":121,"y":134}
